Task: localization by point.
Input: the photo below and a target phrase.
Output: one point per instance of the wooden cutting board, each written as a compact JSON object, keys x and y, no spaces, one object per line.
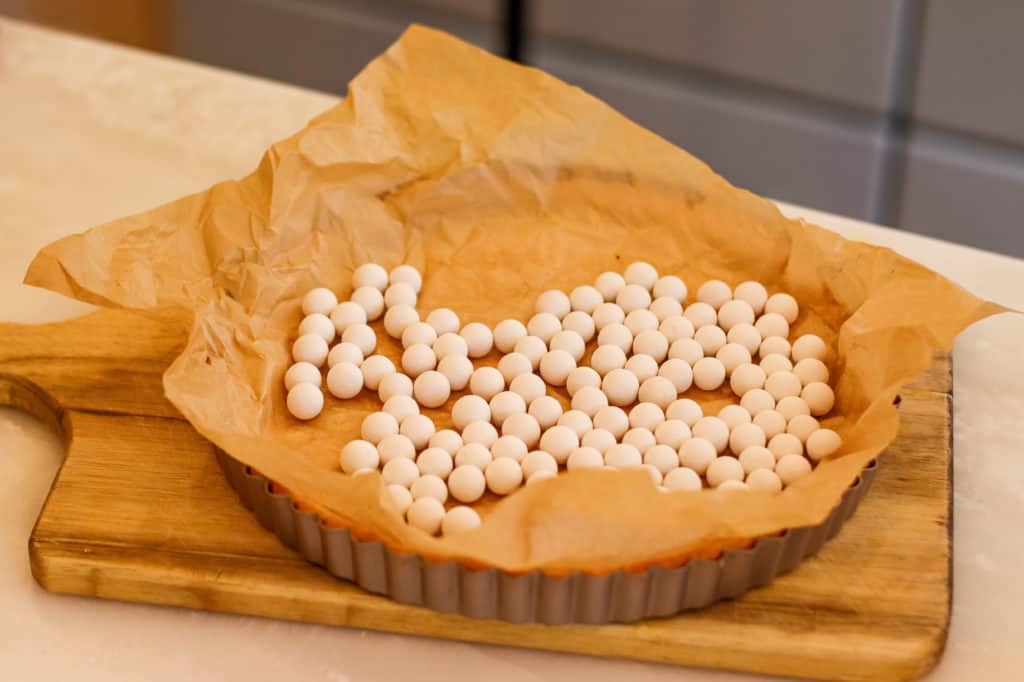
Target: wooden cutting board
{"x":141,"y":512}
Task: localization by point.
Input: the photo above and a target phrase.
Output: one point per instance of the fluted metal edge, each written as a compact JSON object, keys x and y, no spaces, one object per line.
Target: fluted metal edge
{"x":450,"y":587}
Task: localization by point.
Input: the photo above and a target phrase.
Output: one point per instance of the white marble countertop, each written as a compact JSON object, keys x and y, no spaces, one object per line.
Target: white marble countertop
{"x":90,"y":132}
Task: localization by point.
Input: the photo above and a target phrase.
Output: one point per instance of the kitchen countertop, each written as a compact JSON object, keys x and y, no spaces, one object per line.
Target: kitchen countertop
{"x":90,"y":132}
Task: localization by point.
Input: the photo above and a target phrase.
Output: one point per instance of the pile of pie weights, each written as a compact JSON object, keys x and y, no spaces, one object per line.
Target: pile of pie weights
{"x":626,"y":408}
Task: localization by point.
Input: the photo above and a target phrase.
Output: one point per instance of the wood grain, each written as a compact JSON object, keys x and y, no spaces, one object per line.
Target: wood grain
{"x":140,"y":512}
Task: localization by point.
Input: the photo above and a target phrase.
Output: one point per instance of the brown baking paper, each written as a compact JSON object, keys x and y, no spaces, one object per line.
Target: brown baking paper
{"x":498,"y":181}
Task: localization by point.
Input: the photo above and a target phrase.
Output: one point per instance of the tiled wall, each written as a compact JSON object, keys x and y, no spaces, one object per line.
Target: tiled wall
{"x":905,"y":112}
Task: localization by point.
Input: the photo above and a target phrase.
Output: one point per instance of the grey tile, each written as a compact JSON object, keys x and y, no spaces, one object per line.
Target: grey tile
{"x":970,"y":68}
{"x":836,"y":49}
{"x":820,"y":158}
{"x":317,"y":44}
{"x":964,"y":191}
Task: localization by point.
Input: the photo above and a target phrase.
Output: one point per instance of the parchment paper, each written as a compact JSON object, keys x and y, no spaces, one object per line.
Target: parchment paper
{"x":498,"y":182}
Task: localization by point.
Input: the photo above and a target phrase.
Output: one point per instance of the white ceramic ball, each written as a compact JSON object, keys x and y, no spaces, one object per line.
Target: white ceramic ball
{"x":429,"y":485}
{"x":400,"y":407}
{"x":714,"y":430}
{"x":621,"y":387}
{"x":756,"y":401}
{"x":514,"y":364}
{"x":507,"y":333}
{"x":599,"y":439}
{"x":401,"y":497}
{"x":302,"y":373}
{"x":802,"y":426}
{"x":374,"y":369}
{"x":771,"y":422}
{"x":584,"y":457}
{"x":753,"y":293}
{"x":581,"y":323}
{"x":682,"y":479}
{"x":612,"y":419}
{"x":604,"y":359}
{"x":580,"y":377}
{"x":536,"y":461}
{"x":606,"y":314}
{"x":469,"y":409}
{"x":733,"y":416}
{"x":685,"y":410}
{"x":609,"y":284}
{"x":444,"y":321}
{"x":407,"y":274}
{"x":623,"y":456}
{"x":772,"y":324}
{"x":823,"y":443}
{"x":447,"y":439}
{"x":467,"y":483}
{"x":398,"y":318}
{"x":697,"y":454}
{"x":394,"y":384}
{"x":450,"y":343}
{"x":764,"y":479}
{"x":746,"y":378}
{"x":783,"y":304}
{"x":417,"y":359}
{"x":370,"y":300}
{"x":431,"y":389}
{"x":708,"y":374}
{"x":555,"y":366}
{"x":687,"y":350}
{"x":675,"y":328}
{"x":670,"y":286}
{"x":400,"y":294}
{"x":473,"y":454}
{"x":418,"y":333}
{"x":319,"y":324}
{"x":394,"y":446}
{"x":571,"y":342}
{"x":426,"y":513}
{"x":457,"y":369}
{"x":553,"y":302}
{"x":435,"y":462}
{"x":576,"y":420}
{"x":700,"y":314}
{"x":361,"y":335}
{"x":672,"y":432}
{"x":358,"y":455}
{"x":785,"y":444}
{"x":479,"y":339}
{"x":791,"y":468}
{"x":459,"y":519}
{"x":418,"y":428}
{"x":544,"y":326}
{"x":589,"y":400}
{"x":503,"y":476}
{"x":546,"y":410}
{"x":792,"y":406}
{"x":775,"y":362}
{"x":344,"y":380}
{"x":310,"y":348}
{"x":400,"y":471}
{"x":559,"y":441}
{"x":585,"y":299}
{"x":376,"y":426}
{"x":657,"y":390}
{"x":641,"y":320}
{"x":486,"y":382}
{"x":642,"y":274}
{"x":652,"y":342}
{"x":509,"y":447}
{"x":346,"y":314}
{"x":529,"y":386}
{"x":819,"y":397}
{"x":481,"y":432}
{"x":319,"y":300}
{"x":633,"y":297}
{"x":745,"y":335}
{"x":724,"y":469}
{"x":711,"y":338}
{"x":616,"y":335}
{"x":504,"y":405}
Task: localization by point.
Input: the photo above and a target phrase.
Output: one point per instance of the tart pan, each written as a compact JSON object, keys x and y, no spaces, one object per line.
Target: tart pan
{"x":618,"y":597}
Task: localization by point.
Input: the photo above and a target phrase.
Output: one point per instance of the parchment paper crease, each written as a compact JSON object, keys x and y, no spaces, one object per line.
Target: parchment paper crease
{"x":498,"y":182}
